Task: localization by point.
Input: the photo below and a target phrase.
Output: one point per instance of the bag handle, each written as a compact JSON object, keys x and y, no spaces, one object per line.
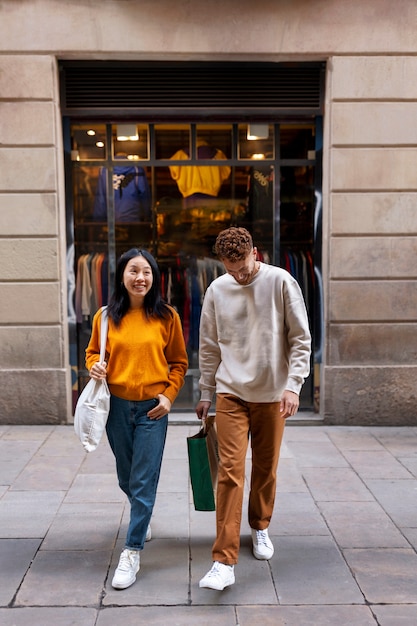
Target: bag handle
{"x":208,"y":423}
{"x":103,"y":333}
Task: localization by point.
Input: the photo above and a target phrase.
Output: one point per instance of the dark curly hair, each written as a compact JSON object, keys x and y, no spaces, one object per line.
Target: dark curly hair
{"x":233,"y":244}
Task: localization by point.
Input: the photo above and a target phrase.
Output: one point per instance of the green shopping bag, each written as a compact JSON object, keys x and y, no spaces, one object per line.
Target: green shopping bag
{"x":203,"y":462}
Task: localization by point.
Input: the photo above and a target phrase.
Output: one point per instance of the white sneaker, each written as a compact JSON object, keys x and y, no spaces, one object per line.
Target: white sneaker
{"x":125,"y":574}
{"x":219,"y":577}
{"x":148,"y":533}
{"x":262,"y":545}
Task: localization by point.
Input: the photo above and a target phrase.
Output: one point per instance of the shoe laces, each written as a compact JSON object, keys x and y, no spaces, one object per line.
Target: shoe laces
{"x":216,"y":569}
{"x":262,"y":537}
{"x":126,"y":560}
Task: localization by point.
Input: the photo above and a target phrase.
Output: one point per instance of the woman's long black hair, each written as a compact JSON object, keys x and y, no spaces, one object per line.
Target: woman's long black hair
{"x":119,"y":301}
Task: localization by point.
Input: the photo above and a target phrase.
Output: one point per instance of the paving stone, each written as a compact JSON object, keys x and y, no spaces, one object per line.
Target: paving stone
{"x":305,"y":616}
{"x":80,"y":527}
{"x":90,"y":488}
{"x":361,"y":525}
{"x":376,"y":464}
{"x":171,"y":516}
{"x":311,"y":570}
{"x":14,"y":458}
{"x":65,"y":578}
{"x":29,"y":433}
{"x":398,"y":498}
{"x":244,"y":591}
{"x":385,"y":576}
{"x":48,"y":473}
{"x":56,"y":616}
{"x":174,"y":476}
{"x":297,"y":514}
{"x":15,"y":557}
{"x":410,"y":463}
{"x":25,"y":514}
{"x":396,"y":615}
{"x":353,"y":438}
{"x":62,"y":442}
{"x":321,"y":454}
{"x":398,"y":441}
{"x":289,"y":477}
{"x":176,"y":443}
{"x":163,"y":616}
{"x":411,"y":535}
{"x":100,"y":461}
{"x":335,"y":483}
{"x":163,"y":578}
{"x":305,"y":434}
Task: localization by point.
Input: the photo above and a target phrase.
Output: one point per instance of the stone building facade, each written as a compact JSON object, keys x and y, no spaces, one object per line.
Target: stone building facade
{"x":367,"y":372}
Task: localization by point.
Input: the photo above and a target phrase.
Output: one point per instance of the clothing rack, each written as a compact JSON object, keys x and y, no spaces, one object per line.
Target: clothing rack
{"x":92,"y":287}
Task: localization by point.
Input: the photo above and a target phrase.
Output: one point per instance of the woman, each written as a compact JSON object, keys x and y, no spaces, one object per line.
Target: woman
{"x":146,"y":361}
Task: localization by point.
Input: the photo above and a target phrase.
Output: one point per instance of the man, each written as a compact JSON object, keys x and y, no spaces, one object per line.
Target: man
{"x":255,"y":354}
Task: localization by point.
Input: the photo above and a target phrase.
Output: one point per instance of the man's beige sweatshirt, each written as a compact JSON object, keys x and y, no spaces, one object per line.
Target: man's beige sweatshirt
{"x":254,"y":339}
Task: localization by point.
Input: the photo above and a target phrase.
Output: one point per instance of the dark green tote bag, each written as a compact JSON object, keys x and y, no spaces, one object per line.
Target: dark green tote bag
{"x":203,"y":463}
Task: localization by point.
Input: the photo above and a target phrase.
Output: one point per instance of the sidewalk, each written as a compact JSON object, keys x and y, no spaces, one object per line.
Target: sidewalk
{"x":344,"y":530}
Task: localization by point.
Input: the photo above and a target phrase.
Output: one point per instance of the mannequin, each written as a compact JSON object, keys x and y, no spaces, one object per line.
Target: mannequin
{"x":132,"y":198}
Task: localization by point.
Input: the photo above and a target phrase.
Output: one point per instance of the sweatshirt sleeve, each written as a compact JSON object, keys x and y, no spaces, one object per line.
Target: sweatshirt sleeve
{"x":209,"y":352}
{"x":298,"y":336}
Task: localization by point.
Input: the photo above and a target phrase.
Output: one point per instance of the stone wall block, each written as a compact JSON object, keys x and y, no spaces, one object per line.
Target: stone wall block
{"x":373,"y":257}
{"x":30,"y":347}
{"x":372,"y":344}
{"x":28,"y":214}
{"x":27,"y":123}
{"x":374,"y":78}
{"x":30,"y":303}
{"x":29,"y":259}
{"x":33,"y":397}
{"x":27,"y":169}
{"x":26,"y":76}
{"x":374,"y":169}
{"x":374,"y":213}
{"x":371,"y":396}
{"x":164,"y":28}
{"x":371,"y":301}
{"x":374,"y":123}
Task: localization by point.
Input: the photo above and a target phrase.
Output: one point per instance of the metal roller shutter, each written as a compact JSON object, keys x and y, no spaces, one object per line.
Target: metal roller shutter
{"x":213,"y":90}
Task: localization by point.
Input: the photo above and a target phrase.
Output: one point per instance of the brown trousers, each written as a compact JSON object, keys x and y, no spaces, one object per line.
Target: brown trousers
{"x":236,"y":420}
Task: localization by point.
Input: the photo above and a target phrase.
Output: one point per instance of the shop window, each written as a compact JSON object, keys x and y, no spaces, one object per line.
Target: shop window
{"x":88,"y":142}
{"x":256,"y":141}
{"x":171,"y":188}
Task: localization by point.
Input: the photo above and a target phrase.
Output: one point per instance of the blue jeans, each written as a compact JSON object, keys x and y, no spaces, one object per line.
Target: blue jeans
{"x":138,"y":445}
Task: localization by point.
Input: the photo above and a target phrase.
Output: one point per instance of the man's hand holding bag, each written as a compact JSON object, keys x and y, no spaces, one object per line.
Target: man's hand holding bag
{"x":203,"y":463}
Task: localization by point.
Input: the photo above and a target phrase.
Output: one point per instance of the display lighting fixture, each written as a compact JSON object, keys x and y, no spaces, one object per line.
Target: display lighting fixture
{"x":257,"y":131}
{"x":100,"y":144}
{"x":91,"y":132}
{"x":127,"y":132}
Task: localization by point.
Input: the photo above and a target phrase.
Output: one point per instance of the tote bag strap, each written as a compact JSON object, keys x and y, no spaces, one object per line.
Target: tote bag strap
{"x":103,"y":333}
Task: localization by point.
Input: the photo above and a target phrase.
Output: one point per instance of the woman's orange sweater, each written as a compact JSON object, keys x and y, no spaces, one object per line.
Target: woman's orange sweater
{"x":145,"y":356}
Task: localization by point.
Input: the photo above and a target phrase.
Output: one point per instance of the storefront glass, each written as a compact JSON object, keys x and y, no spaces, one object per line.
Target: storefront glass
{"x":173,"y":188}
